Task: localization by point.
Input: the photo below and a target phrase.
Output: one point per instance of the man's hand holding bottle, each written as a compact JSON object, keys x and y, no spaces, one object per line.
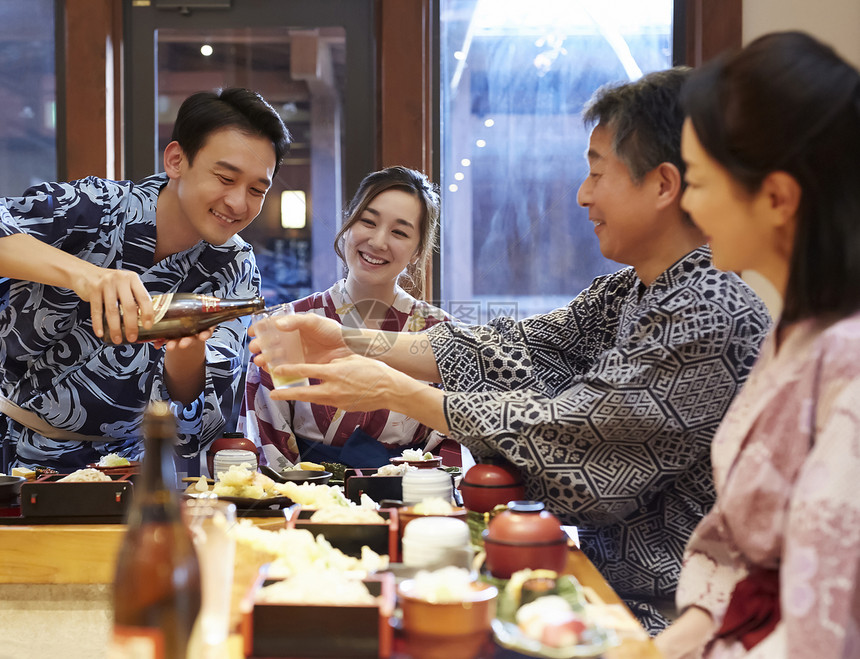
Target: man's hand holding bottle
{"x":119,"y":302}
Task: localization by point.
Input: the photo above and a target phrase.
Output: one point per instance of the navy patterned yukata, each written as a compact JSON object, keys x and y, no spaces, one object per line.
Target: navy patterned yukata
{"x":51,"y":362}
{"x":608,"y":407}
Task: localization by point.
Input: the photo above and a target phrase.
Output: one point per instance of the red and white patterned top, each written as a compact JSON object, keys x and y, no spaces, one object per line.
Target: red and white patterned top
{"x":274,"y":424}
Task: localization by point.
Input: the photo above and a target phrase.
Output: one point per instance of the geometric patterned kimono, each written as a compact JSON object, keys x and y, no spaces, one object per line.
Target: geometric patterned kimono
{"x":608,"y":407}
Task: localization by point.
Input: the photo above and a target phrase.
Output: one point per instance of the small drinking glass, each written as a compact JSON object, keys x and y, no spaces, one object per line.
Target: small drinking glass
{"x":279,"y":347}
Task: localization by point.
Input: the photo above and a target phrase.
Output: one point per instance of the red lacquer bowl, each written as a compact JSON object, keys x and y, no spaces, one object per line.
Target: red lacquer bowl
{"x":525,"y":536}
{"x":491,"y":484}
{"x":447,"y":630}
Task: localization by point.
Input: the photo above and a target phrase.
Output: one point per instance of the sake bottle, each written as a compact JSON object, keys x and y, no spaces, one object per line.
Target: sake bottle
{"x":157,"y":590}
{"x":185,"y":314}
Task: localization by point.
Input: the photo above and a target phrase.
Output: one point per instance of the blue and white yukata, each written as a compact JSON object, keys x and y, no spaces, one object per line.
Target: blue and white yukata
{"x":608,"y":407}
{"x":53,"y":365}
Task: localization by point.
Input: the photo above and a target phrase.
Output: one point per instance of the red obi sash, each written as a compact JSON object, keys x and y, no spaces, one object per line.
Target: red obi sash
{"x":753,"y":610}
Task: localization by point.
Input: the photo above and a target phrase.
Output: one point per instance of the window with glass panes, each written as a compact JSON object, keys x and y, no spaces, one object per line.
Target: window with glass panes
{"x":514,"y":77}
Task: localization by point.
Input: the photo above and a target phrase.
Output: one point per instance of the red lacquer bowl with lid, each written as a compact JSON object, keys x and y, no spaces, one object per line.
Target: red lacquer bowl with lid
{"x":491,"y":483}
{"x":525,"y":536}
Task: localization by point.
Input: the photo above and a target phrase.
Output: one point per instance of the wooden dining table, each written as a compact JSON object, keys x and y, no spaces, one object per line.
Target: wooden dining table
{"x":47,"y":558}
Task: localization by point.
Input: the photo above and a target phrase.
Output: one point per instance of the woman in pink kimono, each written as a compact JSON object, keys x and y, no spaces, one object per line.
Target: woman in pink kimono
{"x":772,"y":146}
{"x":389,"y":232}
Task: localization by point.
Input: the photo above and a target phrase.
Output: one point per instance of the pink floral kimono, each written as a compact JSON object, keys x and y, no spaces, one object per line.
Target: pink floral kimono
{"x":787,"y":471}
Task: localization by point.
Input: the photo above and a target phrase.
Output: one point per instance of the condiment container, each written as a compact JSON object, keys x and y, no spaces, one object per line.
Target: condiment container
{"x":233,"y":441}
{"x":524,"y":536}
{"x":409,"y":513}
{"x":233,"y":457}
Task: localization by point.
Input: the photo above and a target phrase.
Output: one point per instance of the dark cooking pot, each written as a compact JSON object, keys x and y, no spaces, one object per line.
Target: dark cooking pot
{"x":10,"y":488}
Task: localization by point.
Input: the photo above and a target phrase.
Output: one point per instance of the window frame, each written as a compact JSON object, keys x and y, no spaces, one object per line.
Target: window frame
{"x":89,"y":121}
{"x":691,"y":46}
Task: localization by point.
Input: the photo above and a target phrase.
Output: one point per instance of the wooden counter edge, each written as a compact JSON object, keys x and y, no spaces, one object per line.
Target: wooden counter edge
{"x":59,"y":554}
{"x":86,"y":554}
{"x":66,"y":553}
{"x":579,"y":565}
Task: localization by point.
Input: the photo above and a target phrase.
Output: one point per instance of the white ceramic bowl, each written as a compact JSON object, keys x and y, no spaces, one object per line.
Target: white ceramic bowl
{"x":427,"y":484}
{"x":427,"y":476}
{"x":438,"y":532}
{"x":236,"y":456}
{"x":419,"y":555}
{"x":223,"y":460}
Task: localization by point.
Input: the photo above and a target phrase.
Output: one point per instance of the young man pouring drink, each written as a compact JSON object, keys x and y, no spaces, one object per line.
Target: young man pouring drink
{"x":80,"y":261}
{"x":607,"y":405}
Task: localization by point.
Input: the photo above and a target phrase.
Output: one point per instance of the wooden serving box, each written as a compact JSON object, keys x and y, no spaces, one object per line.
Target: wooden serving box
{"x":349,"y":538}
{"x":323,"y":630}
{"x":378,"y":488}
{"x":48,"y":500}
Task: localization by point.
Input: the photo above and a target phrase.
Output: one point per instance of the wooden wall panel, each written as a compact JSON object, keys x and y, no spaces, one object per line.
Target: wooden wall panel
{"x":92,"y":43}
{"x":713,"y":26}
{"x":406,"y":93}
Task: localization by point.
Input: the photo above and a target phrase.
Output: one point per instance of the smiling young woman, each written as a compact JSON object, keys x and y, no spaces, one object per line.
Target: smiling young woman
{"x":388,"y":234}
{"x":377,"y":246}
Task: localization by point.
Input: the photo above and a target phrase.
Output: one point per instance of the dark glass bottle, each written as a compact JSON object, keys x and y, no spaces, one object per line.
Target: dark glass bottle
{"x":157,"y":592}
{"x":185,"y":314}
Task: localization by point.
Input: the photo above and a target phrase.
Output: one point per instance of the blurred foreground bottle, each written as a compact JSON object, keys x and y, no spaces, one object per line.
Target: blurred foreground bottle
{"x":157,"y":590}
{"x":185,"y":314}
